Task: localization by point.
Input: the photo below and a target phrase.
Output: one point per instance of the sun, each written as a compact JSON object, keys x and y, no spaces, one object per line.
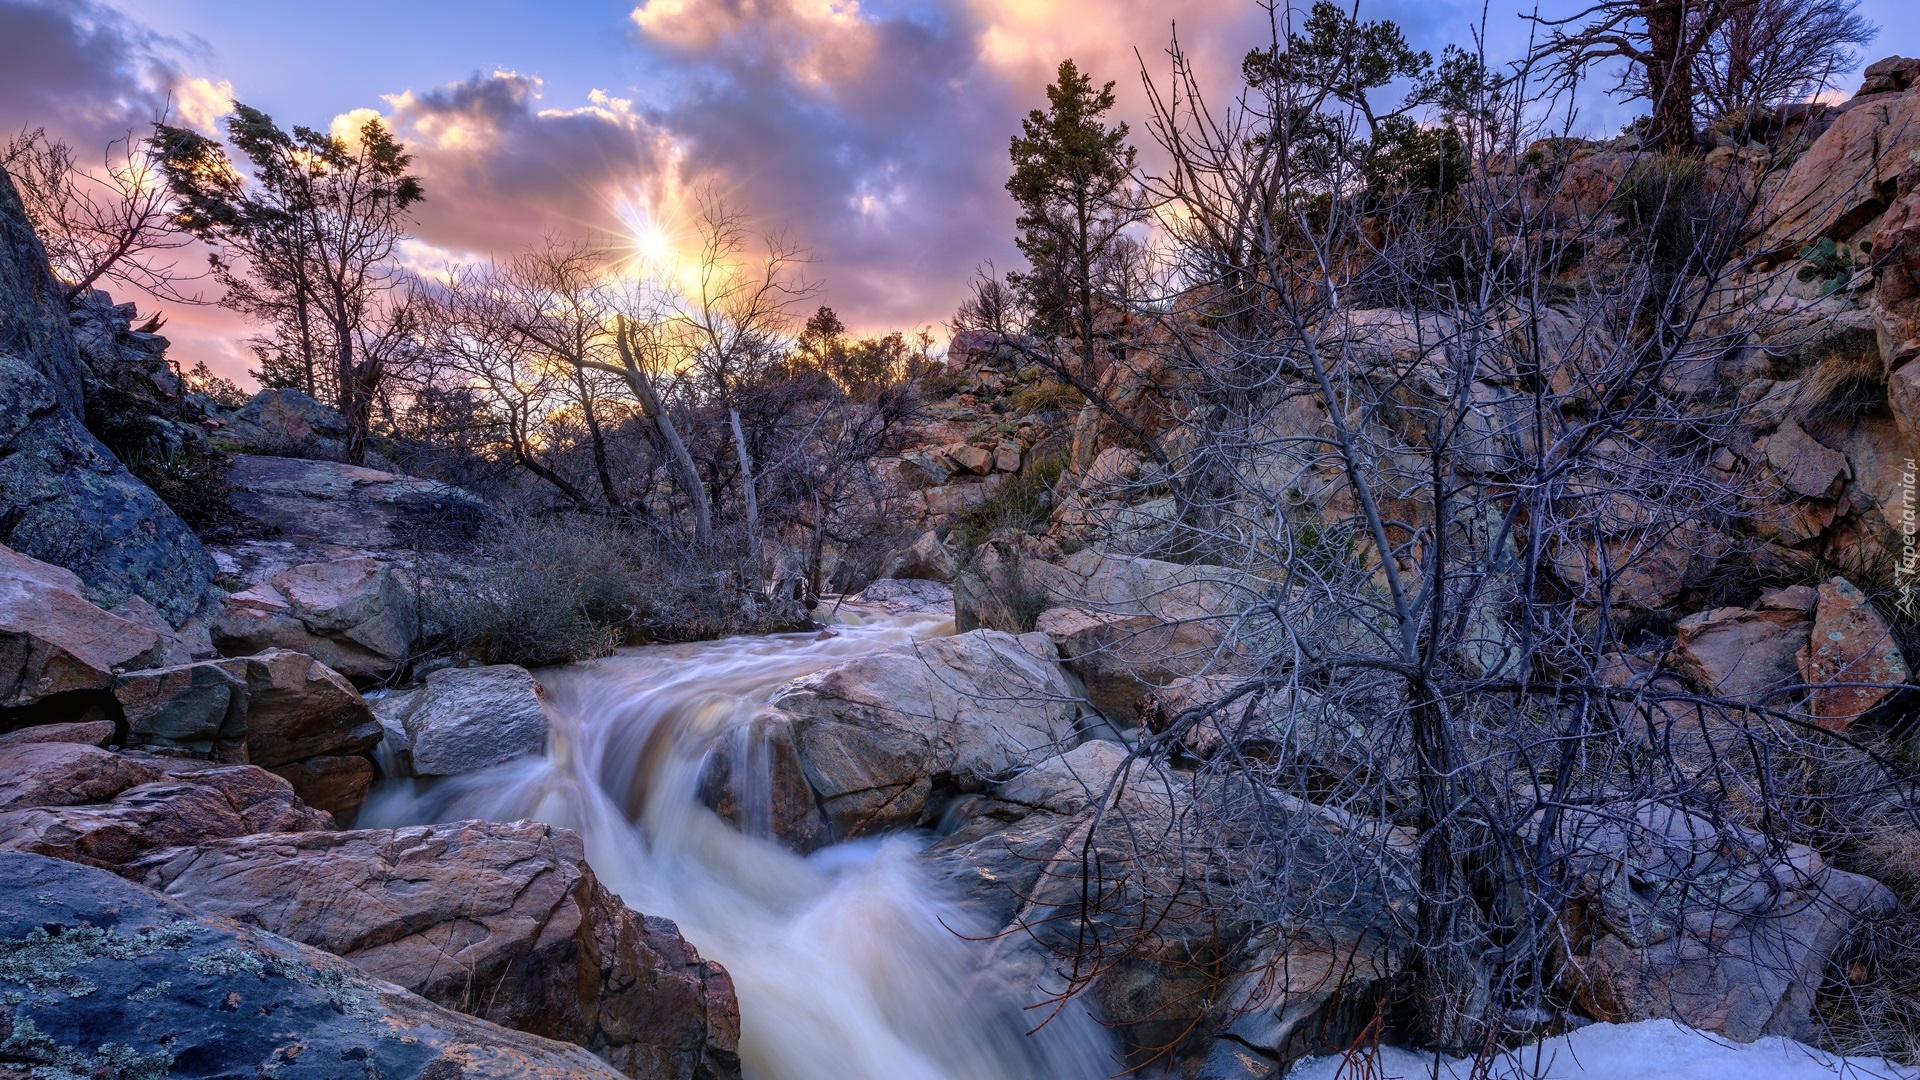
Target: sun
{"x":653,"y":242}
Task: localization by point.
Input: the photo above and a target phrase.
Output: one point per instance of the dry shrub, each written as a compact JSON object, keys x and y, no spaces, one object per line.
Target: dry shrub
{"x":1846,"y":383}
{"x":540,"y":591}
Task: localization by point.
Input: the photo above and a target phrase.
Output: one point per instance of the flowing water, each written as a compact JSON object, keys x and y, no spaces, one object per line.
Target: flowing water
{"x":850,"y":963}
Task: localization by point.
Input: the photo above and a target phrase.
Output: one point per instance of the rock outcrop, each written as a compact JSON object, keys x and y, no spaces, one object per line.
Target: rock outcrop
{"x":106,"y":978}
{"x":500,"y":921}
{"x":1851,"y":658}
{"x":64,"y":498}
{"x":287,"y":423}
{"x":348,"y":504}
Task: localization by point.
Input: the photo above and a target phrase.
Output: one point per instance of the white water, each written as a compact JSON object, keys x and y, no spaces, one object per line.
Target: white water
{"x":851,"y":963}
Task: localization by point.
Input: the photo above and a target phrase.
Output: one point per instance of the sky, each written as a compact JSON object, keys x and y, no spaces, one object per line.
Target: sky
{"x":871,"y":133}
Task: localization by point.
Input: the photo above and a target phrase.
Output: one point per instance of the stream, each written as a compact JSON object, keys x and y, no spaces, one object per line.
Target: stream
{"x":853,"y":962}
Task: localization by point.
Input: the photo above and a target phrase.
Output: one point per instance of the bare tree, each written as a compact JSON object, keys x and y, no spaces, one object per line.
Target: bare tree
{"x":1446,"y":459}
{"x":114,"y":224}
{"x":1662,"y":44}
{"x":1770,"y":52}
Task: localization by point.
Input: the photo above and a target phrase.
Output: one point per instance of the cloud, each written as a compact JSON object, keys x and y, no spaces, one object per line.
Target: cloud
{"x":81,"y":69}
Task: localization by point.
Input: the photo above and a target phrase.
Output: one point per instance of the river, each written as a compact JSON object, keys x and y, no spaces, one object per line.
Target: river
{"x":854,"y":962}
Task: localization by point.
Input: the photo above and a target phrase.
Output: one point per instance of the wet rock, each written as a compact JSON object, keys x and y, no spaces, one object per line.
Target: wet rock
{"x":875,"y":733}
{"x":1681,"y":920}
{"x":347,"y":504}
{"x":288,"y":423}
{"x":502,"y":921}
{"x":355,"y":615}
{"x":53,"y":640}
{"x":1850,"y":643}
{"x":117,"y":980}
{"x":167,"y":802}
{"x":1739,"y":654}
{"x":463,"y":720}
{"x":753,"y":777}
{"x":1305,"y":992}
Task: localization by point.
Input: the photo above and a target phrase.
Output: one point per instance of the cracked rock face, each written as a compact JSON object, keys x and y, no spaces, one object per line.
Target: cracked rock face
{"x":501,"y":921}
{"x":104,"y":977}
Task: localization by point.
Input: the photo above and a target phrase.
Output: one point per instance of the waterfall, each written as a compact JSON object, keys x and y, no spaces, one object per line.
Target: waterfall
{"x":853,"y":962}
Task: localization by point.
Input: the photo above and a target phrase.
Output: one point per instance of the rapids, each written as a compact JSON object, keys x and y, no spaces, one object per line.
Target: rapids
{"x":853,"y":962}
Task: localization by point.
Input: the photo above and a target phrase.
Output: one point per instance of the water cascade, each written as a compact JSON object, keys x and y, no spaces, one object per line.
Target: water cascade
{"x":850,"y":963}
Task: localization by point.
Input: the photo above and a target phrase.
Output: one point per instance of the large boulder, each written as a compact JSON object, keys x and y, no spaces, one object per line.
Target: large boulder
{"x":53,"y":640}
{"x":106,"y":978}
{"x":288,"y":423}
{"x":501,"y":921}
{"x":1851,"y":643}
{"x":877,"y":734}
{"x":355,"y":615}
{"x":348,"y":504}
{"x":1677,"y":919}
{"x":462,"y":720}
{"x":281,"y":710}
{"x":1742,"y":655}
{"x":67,"y":801}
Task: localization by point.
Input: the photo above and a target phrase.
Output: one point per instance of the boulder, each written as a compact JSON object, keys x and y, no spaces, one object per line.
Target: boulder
{"x":355,"y":615}
{"x":85,"y":733}
{"x":288,"y":423}
{"x":1677,"y":919}
{"x":505,"y":922}
{"x":199,"y":709}
{"x":1742,"y":655}
{"x":53,"y":640}
{"x":1304,"y":992}
{"x":348,"y":504}
{"x":298,"y":708}
{"x":75,"y":805}
{"x":1850,"y":643}
{"x":906,"y":596}
{"x":1805,"y":466}
{"x":877,"y":733}
{"x":1889,"y":76}
{"x":1123,"y":659}
{"x":752,"y":776}
{"x":332,"y":784}
{"x":110,"y":979}
{"x":926,"y":559}
{"x":463,"y":720}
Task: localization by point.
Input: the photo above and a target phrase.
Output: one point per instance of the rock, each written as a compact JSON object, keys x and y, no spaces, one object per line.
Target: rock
{"x":271,"y":709}
{"x":66,"y":774}
{"x":904,"y":596}
{"x":1903,"y":396}
{"x":1305,"y":992}
{"x":185,"y":801}
{"x":288,"y":423}
{"x":463,"y":720}
{"x":753,"y":778}
{"x":111,"y":979}
{"x":336,"y":785}
{"x":53,"y":640}
{"x":1006,"y":457}
{"x":33,"y":307}
{"x":953,"y":499}
{"x":974,"y":459}
{"x":355,"y":615}
{"x":1680,"y":920}
{"x":1841,"y":182}
{"x":1889,"y":76}
{"x":347,"y":504}
{"x":1805,"y":466}
{"x":85,"y":733}
{"x":505,"y":922}
{"x":875,"y":733}
{"x":927,"y":559}
{"x":1122,"y":659}
{"x":1739,"y":654}
{"x":1850,"y":643}
{"x":1895,"y":305}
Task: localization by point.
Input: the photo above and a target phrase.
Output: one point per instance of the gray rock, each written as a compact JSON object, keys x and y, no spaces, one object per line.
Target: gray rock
{"x":271,"y":709}
{"x":33,"y":307}
{"x":288,"y":423}
{"x":115,"y":979}
{"x":467,"y":719}
{"x":347,"y":504}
